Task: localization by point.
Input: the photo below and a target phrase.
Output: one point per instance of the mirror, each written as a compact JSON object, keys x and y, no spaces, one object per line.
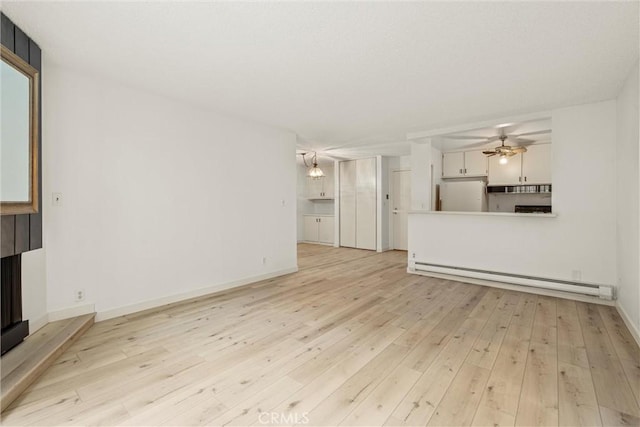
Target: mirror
{"x":18,"y":135}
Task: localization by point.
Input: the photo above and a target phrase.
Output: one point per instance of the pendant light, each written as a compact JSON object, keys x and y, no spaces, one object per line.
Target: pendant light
{"x":314,"y":171}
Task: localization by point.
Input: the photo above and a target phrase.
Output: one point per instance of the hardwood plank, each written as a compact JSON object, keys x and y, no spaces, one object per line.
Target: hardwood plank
{"x":539,"y":396}
{"x":578,"y":405}
{"x":610,"y":381}
{"x":613,"y":417}
{"x":421,"y":401}
{"x":377,"y":407}
{"x":459,"y":404}
{"x":499,"y":403}
{"x":344,"y":400}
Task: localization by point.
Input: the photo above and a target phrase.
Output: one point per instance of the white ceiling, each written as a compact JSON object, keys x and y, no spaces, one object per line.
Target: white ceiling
{"x":348,"y":75}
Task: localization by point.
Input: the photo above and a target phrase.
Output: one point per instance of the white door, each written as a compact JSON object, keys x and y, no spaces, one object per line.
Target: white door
{"x":508,"y":174}
{"x":475,"y":163}
{"x":400,"y":199}
{"x":348,"y":204}
{"x":453,"y":164}
{"x":325,"y":229}
{"x":311,"y":228}
{"x":536,"y":164}
{"x":366,"y":204}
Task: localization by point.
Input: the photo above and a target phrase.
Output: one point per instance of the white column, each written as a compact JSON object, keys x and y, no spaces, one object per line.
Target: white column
{"x":421,"y":174}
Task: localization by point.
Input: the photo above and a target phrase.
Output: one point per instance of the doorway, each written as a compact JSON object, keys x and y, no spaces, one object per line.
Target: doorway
{"x":400,"y":202}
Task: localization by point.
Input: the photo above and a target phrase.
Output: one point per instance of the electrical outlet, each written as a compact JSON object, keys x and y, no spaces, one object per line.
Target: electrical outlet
{"x":80,"y":295}
{"x":56,"y":199}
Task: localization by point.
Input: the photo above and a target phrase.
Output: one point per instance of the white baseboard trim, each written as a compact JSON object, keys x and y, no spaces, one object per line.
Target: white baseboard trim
{"x":315,"y":243}
{"x":519,"y":288}
{"x":630,"y":325}
{"x":36,"y":324}
{"x":146,"y":305}
{"x":67,"y":313}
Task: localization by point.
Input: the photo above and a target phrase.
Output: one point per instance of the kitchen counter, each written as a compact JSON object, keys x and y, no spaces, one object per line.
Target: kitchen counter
{"x":499,"y":214}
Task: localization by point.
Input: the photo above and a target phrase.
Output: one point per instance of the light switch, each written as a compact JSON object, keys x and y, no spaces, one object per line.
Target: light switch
{"x":56,"y":199}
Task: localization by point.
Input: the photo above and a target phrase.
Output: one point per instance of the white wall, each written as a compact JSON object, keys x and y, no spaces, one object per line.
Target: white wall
{"x":581,"y":238}
{"x":304,"y":205}
{"x":160,"y":198}
{"x":383,"y":233}
{"x":628,"y":192}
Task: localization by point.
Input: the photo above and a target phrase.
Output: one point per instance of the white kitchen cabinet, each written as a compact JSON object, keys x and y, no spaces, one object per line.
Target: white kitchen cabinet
{"x":453,"y":165}
{"x":321,"y":188}
{"x":508,"y":174}
{"x":475,"y":163}
{"x":530,"y":167}
{"x":358,"y":210}
{"x":461,"y":164}
{"x":325,"y":229}
{"x":318,"y":228}
{"x":536,"y":164}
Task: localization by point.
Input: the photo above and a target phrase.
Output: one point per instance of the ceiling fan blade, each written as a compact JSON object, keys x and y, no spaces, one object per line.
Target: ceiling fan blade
{"x":464,"y":137}
{"x":538,"y":132}
{"x":522,"y":141}
{"x":476,"y":144}
{"x":489,"y":153}
{"x":517,"y":150}
{"x":511,"y":153}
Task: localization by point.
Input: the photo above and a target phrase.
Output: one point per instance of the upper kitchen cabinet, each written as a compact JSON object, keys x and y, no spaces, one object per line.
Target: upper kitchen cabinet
{"x":530,"y":167}
{"x":507,"y":174}
{"x":475,"y":164}
{"x":536,"y":164}
{"x":464,"y":164}
{"x":321,"y":188}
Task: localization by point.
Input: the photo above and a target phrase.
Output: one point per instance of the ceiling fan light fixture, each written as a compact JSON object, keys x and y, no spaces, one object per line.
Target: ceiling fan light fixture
{"x":503,"y":159}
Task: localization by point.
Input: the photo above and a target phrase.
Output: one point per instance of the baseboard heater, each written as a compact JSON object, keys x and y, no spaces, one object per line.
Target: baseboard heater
{"x":601,"y":291}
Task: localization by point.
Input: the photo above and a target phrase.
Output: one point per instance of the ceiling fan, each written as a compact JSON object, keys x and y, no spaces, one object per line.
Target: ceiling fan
{"x":505,"y":133}
{"x":505,"y":150}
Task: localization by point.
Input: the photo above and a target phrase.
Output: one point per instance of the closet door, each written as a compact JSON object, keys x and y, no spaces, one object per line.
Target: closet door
{"x":366,"y":204}
{"x":348,"y":204}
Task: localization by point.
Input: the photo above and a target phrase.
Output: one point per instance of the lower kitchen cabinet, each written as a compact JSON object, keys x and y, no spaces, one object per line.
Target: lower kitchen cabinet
{"x":318,"y":228}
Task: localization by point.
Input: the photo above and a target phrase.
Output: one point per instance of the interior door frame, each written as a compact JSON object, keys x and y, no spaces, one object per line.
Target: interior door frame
{"x":391,"y":215}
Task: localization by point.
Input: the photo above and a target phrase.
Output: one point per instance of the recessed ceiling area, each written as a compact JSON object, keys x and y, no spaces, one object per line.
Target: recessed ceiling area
{"x":344,"y":76}
{"x":515,"y":133}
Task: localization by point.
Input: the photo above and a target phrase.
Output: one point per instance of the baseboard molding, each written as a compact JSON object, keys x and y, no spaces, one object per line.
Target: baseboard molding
{"x":633,"y":328}
{"x":518,"y":288}
{"x":315,"y":243}
{"x":146,"y":305}
{"x":37,"y":324}
{"x":67,"y":313}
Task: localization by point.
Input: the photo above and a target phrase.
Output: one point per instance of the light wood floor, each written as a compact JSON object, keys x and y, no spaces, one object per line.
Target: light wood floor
{"x":351,"y":339}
